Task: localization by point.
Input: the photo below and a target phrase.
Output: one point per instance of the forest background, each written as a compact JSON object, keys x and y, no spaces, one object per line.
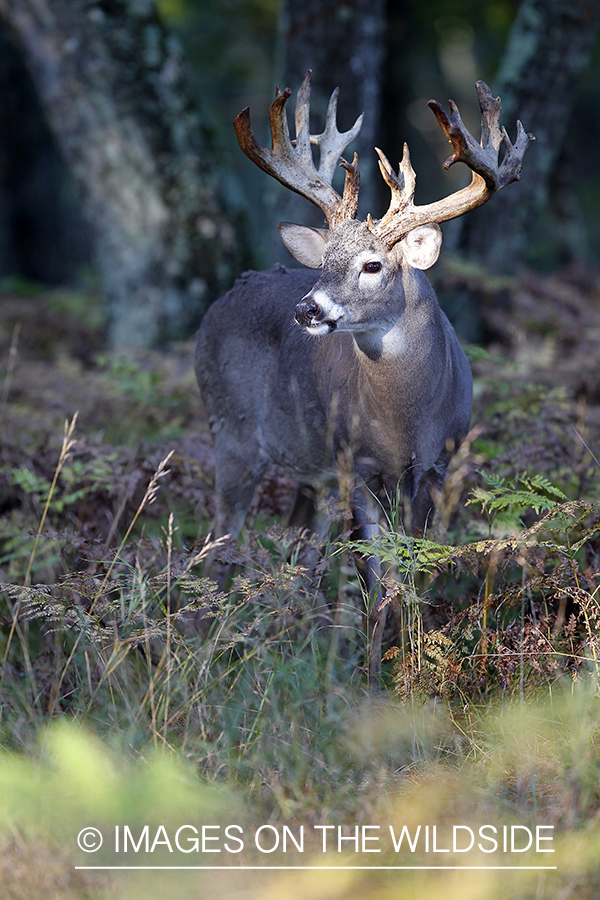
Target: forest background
{"x":126,"y":208}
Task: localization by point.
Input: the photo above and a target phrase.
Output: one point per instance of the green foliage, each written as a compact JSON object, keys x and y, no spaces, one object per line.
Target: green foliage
{"x":504,"y":500}
{"x":407,"y":766}
{"x":508,"y":633}
{"x":129,"y":376}
{"x":85,"y":307}
{"x":77,"y":478}
{"x":159,"y":398}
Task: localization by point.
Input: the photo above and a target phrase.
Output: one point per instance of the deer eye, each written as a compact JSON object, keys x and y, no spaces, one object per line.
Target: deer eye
{"x":371,"y":268}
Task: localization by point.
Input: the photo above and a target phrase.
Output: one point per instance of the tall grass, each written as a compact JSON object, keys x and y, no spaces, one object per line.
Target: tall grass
{"x":491,"y":712}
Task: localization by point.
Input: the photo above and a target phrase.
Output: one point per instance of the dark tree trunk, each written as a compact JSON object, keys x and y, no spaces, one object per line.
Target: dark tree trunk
{"x":43,"y":236}
{"x":550,"y":45}
{"x":111,"y":81}
{"x":343,"y":43}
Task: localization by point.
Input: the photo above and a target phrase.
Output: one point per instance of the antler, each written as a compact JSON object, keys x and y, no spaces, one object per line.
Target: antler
{"x":291,"y":162}
{"x":489,"y":177}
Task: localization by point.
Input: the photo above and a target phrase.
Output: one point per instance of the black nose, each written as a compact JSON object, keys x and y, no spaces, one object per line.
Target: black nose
{"x":306,"y":311}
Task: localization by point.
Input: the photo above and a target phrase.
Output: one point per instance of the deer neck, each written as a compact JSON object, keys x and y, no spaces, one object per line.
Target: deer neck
{"x":407,"y":343}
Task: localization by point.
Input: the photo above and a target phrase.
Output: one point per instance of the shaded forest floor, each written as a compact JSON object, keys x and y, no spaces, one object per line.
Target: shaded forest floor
{"x":537,"y":402}
{"x":102,"y":537}
{"x":537,"y":411}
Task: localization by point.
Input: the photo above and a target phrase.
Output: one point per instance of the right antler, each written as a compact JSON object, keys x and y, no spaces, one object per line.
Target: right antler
{"x":489,"y":176}
{"x":291,"y":162}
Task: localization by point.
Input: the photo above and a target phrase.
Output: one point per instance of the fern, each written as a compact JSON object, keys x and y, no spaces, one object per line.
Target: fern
{"x":429,"y":670}
{"x":506,"y":499}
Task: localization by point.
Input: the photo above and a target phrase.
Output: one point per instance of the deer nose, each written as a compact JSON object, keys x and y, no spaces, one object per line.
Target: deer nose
{"x":306,"y":312}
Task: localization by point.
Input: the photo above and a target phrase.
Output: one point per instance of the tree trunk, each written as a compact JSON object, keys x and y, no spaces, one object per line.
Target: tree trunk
{"x":43,"y":235}
{"x":550,"y":45}
{"x":343,"y":44}
{"x":111,"y":82}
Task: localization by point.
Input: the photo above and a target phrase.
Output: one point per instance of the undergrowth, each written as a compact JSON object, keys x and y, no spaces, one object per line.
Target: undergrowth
{"x":490,"y":705}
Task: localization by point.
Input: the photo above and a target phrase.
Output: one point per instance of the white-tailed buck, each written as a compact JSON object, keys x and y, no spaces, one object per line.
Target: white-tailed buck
{"x":356,"y":365}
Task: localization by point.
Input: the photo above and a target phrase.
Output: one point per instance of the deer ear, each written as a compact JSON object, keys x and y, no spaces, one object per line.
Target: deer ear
{"x":421,"y":246}
{"x":306,"y":244}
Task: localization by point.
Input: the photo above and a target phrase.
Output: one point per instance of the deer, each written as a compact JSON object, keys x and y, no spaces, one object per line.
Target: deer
{"x":353,"y":368}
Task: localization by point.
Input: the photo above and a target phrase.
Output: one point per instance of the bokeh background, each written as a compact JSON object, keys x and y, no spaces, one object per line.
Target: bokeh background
{"x":118,"y":160}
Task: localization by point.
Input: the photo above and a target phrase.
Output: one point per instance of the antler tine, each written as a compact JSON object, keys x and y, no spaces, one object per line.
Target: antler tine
{"x":483,"y":157}
{"x":490,"y":106}
{"x":488,"y":177}
{"x":265,"y":159}
{"x":510,"y":169}
{"x":331,"y":142}
{"x":302,"y":120}
{"x":401,"y":185}
{"x":291,"y":162}
{"x":351,"y":187}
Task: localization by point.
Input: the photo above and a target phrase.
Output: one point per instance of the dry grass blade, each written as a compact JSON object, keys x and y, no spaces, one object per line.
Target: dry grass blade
{"x":149,"y":497}
{"x":67,"y":445}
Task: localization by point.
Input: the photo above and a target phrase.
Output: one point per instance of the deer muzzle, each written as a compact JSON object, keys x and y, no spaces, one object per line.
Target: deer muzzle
{"x":307,"y":311}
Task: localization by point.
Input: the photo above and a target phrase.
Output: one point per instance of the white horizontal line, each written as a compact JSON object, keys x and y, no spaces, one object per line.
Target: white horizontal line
{"x":326,"y":868}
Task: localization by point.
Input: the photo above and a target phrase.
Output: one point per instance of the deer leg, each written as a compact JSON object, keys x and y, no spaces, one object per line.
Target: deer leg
{"x":422,"y":507}
{"x":366,"y":526}
{"x":304,"y":514}
{"x":423,"y":513}
{"x":235,"y":483}
{"x":238,"y":472}
{"x":304,"y":510}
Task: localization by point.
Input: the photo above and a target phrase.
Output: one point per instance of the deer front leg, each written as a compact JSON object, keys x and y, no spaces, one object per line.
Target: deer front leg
{"x":238,"y":470}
